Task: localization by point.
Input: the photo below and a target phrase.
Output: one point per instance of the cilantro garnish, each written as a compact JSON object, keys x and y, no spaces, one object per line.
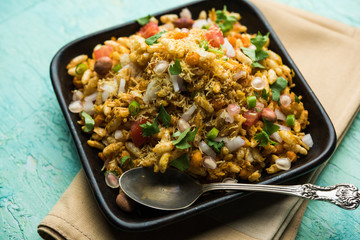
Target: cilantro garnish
{"x":215,"y":145}
{"x":264,"y":136}
{"x":182,"y":163}
{"x":164,"y":116}
{"x":175,"y":69}
{"x":204,"y":44}
{"x":89,"y":122}
{"x":224,"y":21}
{"x":277,"y":87}
{"x":297,"y":100}
{"x":153,"y":39}
{"x":258,"y":54}
{"x":149,"y":129}
{"x":124,"y":159}
{"x":183,"y":138}
{"x":144,"y":20}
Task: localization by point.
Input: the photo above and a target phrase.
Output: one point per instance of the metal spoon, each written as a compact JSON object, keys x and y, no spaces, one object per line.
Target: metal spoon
{"x":175,"y":190}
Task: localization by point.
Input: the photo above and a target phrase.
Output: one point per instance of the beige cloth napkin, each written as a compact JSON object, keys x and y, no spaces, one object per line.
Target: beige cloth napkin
{"x":326,"y":53}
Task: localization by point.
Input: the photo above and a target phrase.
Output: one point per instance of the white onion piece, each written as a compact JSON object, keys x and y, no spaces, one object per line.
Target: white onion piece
{"x":229,"y":180}
{"x":284,"y":128}
{"x":118,"y":134}
{"x":107,"y":89}
{"x":175,"y":82}
{"x":77,"y":95}
{"x":199,"y":23}
{"x":88,"y":107}
{"x":260,"y":106}
{"x":285,"y":100}
{"x":185,"y":13}
{"x":276,"y":137}
{"x":209,"y":162}
{"x":91,"y":97}
{"x":161,"y":67}
{"x":187,"y":115}
{"x":239,"y":75}
{"x":76,"y":106}
{"x":207,"y":150}
{"x":283,"y":163}
{"x":111,"y":180}
{"x":228,"y":118}
{"x":235,"y":143}
{"x":181,"y":83}
{"x":122,"y":85}
{"x":220,"y":139}
{"x":280,"y":115}
{"x":230,"y":52}
{"x":307,"y":139}
{"x":151,"y":91}
{"x":182,"y":125}
{"x":233,"y":109}
{"x":258,"y":83}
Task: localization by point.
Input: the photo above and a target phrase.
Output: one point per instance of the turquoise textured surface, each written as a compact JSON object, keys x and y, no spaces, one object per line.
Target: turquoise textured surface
{"x":38,"y":155}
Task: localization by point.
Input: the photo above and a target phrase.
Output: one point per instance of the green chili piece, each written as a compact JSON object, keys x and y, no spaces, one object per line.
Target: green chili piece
{"x":134,"y":108}
{"x":251,"y":100}
{"x":290,"y":120}
{"x":80,"y":69}
{"x":213,"y":133}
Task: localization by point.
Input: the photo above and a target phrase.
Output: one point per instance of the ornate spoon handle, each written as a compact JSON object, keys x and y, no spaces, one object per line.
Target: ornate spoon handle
{"x":343,"y":195}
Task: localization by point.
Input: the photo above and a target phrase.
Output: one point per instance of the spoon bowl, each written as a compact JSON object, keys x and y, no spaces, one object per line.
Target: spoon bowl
{"x":174,"y":190}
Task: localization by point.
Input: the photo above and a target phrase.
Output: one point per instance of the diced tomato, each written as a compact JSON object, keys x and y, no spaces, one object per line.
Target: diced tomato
{"x":136,"y":132}
{"x":150,"y":29}
{"x":103,"y":51}
{"x":252,"y":117}
{"x":214,"y":36}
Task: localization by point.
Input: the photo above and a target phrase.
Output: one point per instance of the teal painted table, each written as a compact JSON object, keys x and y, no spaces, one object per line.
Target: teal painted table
{"x":38,"y":156}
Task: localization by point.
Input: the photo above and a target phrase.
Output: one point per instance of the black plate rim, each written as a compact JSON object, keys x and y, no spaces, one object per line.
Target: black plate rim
{"x":186,"y":213}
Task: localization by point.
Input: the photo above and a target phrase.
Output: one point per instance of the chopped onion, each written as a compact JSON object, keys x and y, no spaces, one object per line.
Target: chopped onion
{"x":230,"y":52}
{"x":258,"y":83}
{"x":122,"y":85}
{"x":151,"y":91}
{"x":283,"y":163}
{"x":207,"y":150}
{"x":111,"y":179}
{"x":285,"y":100}
{"x":77,"y":95}
{"x":88,"y":107}
{"x":175,"y":82}
{"x":161,"y":67}
{"x":276,"y":137}
{"x":284,"y":128}
{"x":239,"y":75}
{"x":107,"y":89}
{"x":307,"y":139}
{"x":209,"y":162}
{"x":118,"y":134}
{"x":220,"y":139}
{"x":183,"y":125}
{"x":260,"y":106}
{"x":230,"y":180}
{"x":233,"y":109}
{"x":228,"y":118}
{"x":199,"y":23}
{"x":185,"y":13}
{"x":187,"y":115}
{"x":76,"y":106}
{"x":91,"y":97}
{"x":235,"y":143}
{"x":280,"y":115}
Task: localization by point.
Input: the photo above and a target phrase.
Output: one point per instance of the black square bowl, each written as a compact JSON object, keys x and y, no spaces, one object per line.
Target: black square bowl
{"x":321,"y":128}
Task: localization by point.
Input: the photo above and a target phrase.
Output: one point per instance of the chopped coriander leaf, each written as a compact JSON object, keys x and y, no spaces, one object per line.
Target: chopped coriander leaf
{"x":259,"y":41}
{"x":153,"y":39}
{"x":249,"y":52}
{"x":164,"y":116}
{"x":224,"y":21}
{"x":134,"y":108}
{"x":204,"y":44}
{"x":175,"y":69}
{"x":277,"y":87}
{"x":117,"y":67}
{"x":270,"y":127}
{"x":89,"y":122}
{"x":186,"y":136}
{"x":257,"y":65}
{"x":297,"y":100}
{"x":251,"y":101}
{"x":144,"y":20}
{"x":215,"y":145}
{"x":176,"y":134}
{"x":80,"y":68}
{"x":124,"y":159}
{"x":149,"y":129}
{"x":182,"y":163}
{"x":290,"y":120}
{"x":212,"y":133}
{"x":263,"y":139}
{"x":181,"y":136}
{"x":264,"y":94}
